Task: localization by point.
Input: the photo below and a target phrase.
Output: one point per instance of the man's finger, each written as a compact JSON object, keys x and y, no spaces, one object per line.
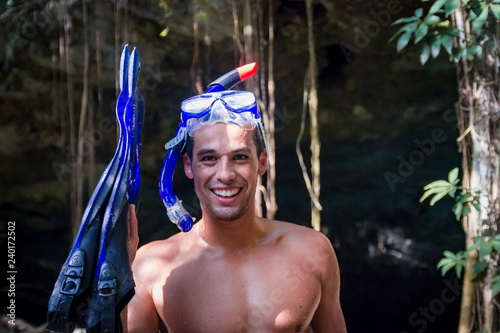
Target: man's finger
{"x":133,"y":229}
{"x":133,"y":235}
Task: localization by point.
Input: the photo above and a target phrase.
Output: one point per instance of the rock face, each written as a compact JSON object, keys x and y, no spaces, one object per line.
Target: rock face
{"x":387,"y":128}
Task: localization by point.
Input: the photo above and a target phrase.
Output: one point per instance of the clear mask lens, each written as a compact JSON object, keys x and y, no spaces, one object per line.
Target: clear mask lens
{"x":229,"y":107}
{"x":236,"y":101}
{"x":239,"y":101}
{"x":219,"y":114}
{"x":197,"y":104}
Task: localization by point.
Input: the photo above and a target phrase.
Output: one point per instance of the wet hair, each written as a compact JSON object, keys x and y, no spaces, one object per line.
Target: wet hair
{"x":257,"y":137}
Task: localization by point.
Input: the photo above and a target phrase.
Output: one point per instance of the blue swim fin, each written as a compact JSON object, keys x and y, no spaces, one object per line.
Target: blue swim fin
{"x":113,"y":285}
{"x":72,"y":299}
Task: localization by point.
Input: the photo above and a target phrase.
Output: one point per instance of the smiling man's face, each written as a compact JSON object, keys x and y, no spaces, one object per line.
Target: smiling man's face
{"x":224,"y":168}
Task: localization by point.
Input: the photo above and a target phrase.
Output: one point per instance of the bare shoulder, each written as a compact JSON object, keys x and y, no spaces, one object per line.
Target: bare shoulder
{"x":312,"y":248}
{"x":156,"y":255}
{"x":301,"y":236}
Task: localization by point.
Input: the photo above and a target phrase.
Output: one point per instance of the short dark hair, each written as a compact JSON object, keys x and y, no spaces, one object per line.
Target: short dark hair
{"x":257,"y":137}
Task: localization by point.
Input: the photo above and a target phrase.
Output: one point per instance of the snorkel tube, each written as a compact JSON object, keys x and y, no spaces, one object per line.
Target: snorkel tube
{"x":175,"y":211}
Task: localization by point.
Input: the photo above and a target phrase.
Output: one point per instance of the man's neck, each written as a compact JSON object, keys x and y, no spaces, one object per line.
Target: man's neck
{"x":239,"y":235}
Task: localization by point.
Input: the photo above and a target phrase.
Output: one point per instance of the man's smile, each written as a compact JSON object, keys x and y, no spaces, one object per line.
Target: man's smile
{"x":226,"y":193}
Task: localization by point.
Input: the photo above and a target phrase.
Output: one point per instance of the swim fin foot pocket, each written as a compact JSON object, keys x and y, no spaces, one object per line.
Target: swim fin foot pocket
{"x":95,"y":283}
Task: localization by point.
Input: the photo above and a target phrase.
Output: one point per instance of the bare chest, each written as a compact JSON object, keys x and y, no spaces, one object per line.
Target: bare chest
{"x":273,"y":294}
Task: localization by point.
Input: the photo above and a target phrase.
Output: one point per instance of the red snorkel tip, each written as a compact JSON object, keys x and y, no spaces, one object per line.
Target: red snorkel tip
{"x":228,"y":80}
{"x":247,"y":70}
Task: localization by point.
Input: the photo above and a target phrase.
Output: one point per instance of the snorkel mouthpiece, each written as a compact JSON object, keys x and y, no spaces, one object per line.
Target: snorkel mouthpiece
{"x":177,"y":214}
{"x":215,"y":100}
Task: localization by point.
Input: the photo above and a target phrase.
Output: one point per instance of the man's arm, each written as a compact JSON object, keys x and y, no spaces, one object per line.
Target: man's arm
{"x":140,"y":314}
{"x":141,"y":311}
{"x":328,"y":316}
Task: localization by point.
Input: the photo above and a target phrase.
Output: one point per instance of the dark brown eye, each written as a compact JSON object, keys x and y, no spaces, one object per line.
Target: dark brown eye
{"x":240,"y":157}
{"x":208,"y":158}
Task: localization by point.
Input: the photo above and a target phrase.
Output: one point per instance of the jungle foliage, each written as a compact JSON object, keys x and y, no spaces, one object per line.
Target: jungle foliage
{"x":468,"y":30}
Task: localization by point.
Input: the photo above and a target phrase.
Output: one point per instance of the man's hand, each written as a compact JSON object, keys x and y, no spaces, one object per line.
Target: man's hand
{"x":133,"y":235}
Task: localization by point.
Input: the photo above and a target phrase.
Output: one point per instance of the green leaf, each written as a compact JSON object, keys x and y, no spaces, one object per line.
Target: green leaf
{"x":445,"y":265}
{"x":401,"y":30}
{"x":480,"y":266}
{"x":463,"y":197}
{"x":424,"y":56}
{"x":403,"y":41}
{"x":479,"y":239}
{"x":496,"y":245}
{"x":441,"y":190}
{"x":421,"y":32}
{"x":479,"y":21}
{"x":436,"y":47}
{"x":495,"y":9}
{"x":437,"y":6}
{"x":477,"y":206}
{"x":405,"y":20}
{"x":485,"y":250}
{"x":452,"y":260}
{"x":411,"y":27}
{"x":496,"y":288}
{"x":444,"y":24}
{"x":451,"y":192}
{"x":419,"y":12}
{"x":447,"y":268}
{"x":430,"y":192}
{"x":472,"y":14}
{"x":443,"y":262}
{"x":475,"y":50}
{"x":453,"y":175}
{"x":466,"y":210}
{"x":451,"y":6}
{"x":449,"y":254}
{"x":474,"y":246}
{"x":453,"y":32}
{"x":458,"y":211}
{"x":458,"y":269}
{"x":438,"y":197}
{"x":432,"y":19}
{"x":437,"y":183}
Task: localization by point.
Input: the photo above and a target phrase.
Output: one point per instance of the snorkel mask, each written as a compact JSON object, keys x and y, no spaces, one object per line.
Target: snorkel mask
{"x":217,"y":105}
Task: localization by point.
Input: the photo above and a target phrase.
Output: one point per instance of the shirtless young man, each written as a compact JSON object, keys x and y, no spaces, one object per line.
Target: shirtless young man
{"x":234,"y":271}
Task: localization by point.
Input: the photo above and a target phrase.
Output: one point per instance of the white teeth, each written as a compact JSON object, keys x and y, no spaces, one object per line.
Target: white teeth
{"x":226,"y":193}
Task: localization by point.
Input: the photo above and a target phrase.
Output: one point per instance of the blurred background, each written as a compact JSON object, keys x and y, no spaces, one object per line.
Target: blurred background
{"x":387,"y":127}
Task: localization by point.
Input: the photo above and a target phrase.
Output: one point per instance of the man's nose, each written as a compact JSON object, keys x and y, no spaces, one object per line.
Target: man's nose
{"x":225,"y":172}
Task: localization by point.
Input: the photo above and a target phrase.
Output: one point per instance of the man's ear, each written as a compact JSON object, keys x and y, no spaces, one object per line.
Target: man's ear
{"x":263,"y":162}
{"x":187,"y":166}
